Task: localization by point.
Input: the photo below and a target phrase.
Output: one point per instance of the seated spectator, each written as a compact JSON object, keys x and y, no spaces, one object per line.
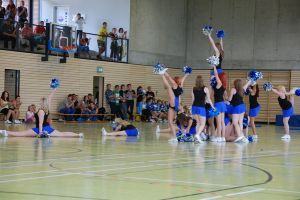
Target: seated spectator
{"x":17,"y":104}
{"x":68,"y":107}
{"x":27,"y":37}
{"x":84,"y":44}
{"x":7,"y":108}
{"x":40,"y":33}
{"x":149,"y":92}
{"x":91,"y":109}
{"x":9,"y":34}
{"x":29,"y":117}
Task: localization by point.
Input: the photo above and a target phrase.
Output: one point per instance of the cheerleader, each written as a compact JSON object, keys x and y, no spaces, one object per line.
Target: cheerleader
{"x":238,"y":107}
{"x":230,"y":133}
{"x":254,"y":108}
{"x":219,"y":51}
{"x":199,"y":95}
{"x":219,"y":91}
{"x":124,"y":128}
{"x":174,"y":92}
{"x":286,"y":102}
{"x":43,"y":127}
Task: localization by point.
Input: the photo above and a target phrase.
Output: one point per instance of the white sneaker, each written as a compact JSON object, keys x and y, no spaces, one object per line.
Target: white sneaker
{"x":255,"y":137}
{"x":3,"y":133}
{"x":223,"y":139}
{"x":163,"y":71}
{"x":173,"y":140}
{"x":81,"y":135}
{"x":198,"y":139}
{"x":8,"y":122}
{"x":213,"y":139}
{"x":239,"y":139}
{"x":245,"y":140}
{"x":286,"y":137}
{"x":104,"y":132}
{"x":17,"y":121}
{"x":203,"y":136}
{"x":157,"y":129}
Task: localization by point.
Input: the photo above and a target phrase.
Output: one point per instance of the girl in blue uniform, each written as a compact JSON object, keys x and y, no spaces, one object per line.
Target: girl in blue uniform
{"x":200,"y":94}
{"x":43,"y":128}
{"x":254,"y":107}
{"x":286,"y":103}
{"x":174,"y":92}
{"x":238,"y":107}
{"x":219,"y":91}
{"x":124,"y":128}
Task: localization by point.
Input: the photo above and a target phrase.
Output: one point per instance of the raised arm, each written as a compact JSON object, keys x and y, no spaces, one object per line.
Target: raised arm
{"x":50,"y":97}
{"x":193,"y":96}
{"x":247,"y":85}
{"x":206,"y":90}
{"x":174,"y":84}
{"x":221,"y":43}
{"x":212,"y":42}
{"x":219,"y":82}
{"x":183,"y":79}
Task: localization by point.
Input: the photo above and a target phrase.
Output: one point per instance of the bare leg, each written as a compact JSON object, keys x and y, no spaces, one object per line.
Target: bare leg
{"x":200,"y":124}
{"x":219,"y":126}
{"x":222,"y":124}
{"x":118,"y":133}
{"x":171,"y":117}
{"x":253,"y":127}
{"x":235,"y":122}
{"x":286,"y":125}
{"x":241,"y":118}
{"x":11,"y":113}
{"x":27,"y":133}
{"x":212,"y":128}
{"x":57,"y":133}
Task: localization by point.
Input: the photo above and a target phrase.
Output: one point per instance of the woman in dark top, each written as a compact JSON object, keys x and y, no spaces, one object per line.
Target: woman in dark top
{"x":200,"y":94}
{"x":238,"y":107}
{"x":254,"y":107}
{"x":219,"y":92}
{"x":286,"y":103}
{"x":43,"y":128}
{"x":219,"y":52}
{"x":124,"y":128}
{"x":174,"y":92}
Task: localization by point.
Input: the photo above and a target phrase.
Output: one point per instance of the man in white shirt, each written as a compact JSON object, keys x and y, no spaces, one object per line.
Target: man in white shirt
{"x":79,"y":21}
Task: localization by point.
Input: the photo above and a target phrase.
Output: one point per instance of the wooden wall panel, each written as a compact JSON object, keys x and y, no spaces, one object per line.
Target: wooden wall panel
{"x":295,"y":82}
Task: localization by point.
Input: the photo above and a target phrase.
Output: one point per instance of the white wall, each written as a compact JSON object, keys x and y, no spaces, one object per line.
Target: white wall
{"x":46,"y":10}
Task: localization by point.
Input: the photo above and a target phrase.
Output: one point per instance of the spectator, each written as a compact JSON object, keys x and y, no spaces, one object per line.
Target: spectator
{"x":116,"y":101}
{"x":102,"y":39}
{"x":109,"y":97}
{"x":27,"y":37}
{"x":123,"y":103}
{"x":9,"y":34}
{"x":29,"y":117}
{"x":2,"y":12}
{"x":40,"y":33}
{"x":84,"y":44}
{"x":68,"y":107}
{"x":121,"y":37}
{"x":7,"y":109}
{"x":22,"y":13}
{"x":90,"y":98}
{"x":113,"y":44}
{"x":17,"y":104}
{"x":79,"y":21}
{"x":91,"y":109}
{"x":149,"y":92}
{"x":139,"y":101}
{"x":11,"y":11}
{"x":130,"y":95}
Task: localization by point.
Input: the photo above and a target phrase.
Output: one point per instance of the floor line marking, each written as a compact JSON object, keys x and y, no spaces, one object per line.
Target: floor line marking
{"x":232,"y":194}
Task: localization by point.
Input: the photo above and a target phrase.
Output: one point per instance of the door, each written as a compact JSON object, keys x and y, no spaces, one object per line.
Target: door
{"x":98,"y":90}
{"x":12,"y":82}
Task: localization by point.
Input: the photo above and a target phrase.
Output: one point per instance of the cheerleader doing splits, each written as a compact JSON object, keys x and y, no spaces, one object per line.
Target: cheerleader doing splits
{"x":43,"y":128}
{"x":124,"y":128}
{"x":174,"y":92}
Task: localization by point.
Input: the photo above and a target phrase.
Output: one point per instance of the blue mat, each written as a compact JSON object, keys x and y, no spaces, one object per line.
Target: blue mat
{"x":294,"y":121}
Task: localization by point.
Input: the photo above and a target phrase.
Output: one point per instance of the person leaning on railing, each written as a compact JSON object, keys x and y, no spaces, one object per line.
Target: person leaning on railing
{"x":9,"y":33}
{"x":101,"y":39}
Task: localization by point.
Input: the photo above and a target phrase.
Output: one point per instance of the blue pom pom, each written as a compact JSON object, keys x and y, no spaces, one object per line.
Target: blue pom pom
{"x":187,"y":70}
{"x":250,"y":138}
{"x":213,"y":60}
{"x":180,"y":136}
{"x":220,"y":34}
{"x":188,"y":137}
{"x":207,"y":29}
{"x":245,"y":122}
{"x":297,"y":92}
{"x":268,"y":86}
{"x":55,"y":83}
{"x":255,"y":75}
{"x":158,"y":68}
{"x":213,"y":112}
{"x":213,"y":82}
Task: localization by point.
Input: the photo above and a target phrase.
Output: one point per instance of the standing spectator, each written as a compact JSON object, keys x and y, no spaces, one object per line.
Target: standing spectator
{"x":109,"y":96}
{"x":102,"y":39}
{"x":79,"y":21}
{"x":121,"y":37}
{"x":2,"y":12}
{"x":150,"y":93}
{"x":27,"y":36}
{"x":113,"y":44}
{"x":22,"y":14}
{"x":68,"y":107}
{"x":123,"y":103}
{"x":11,"y":11}
{"x":116,"y":101}
{"x":139,"y":100}
{"x":9,"y":34}
{"x":130,"y":95}
{"x":17,"y":104}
